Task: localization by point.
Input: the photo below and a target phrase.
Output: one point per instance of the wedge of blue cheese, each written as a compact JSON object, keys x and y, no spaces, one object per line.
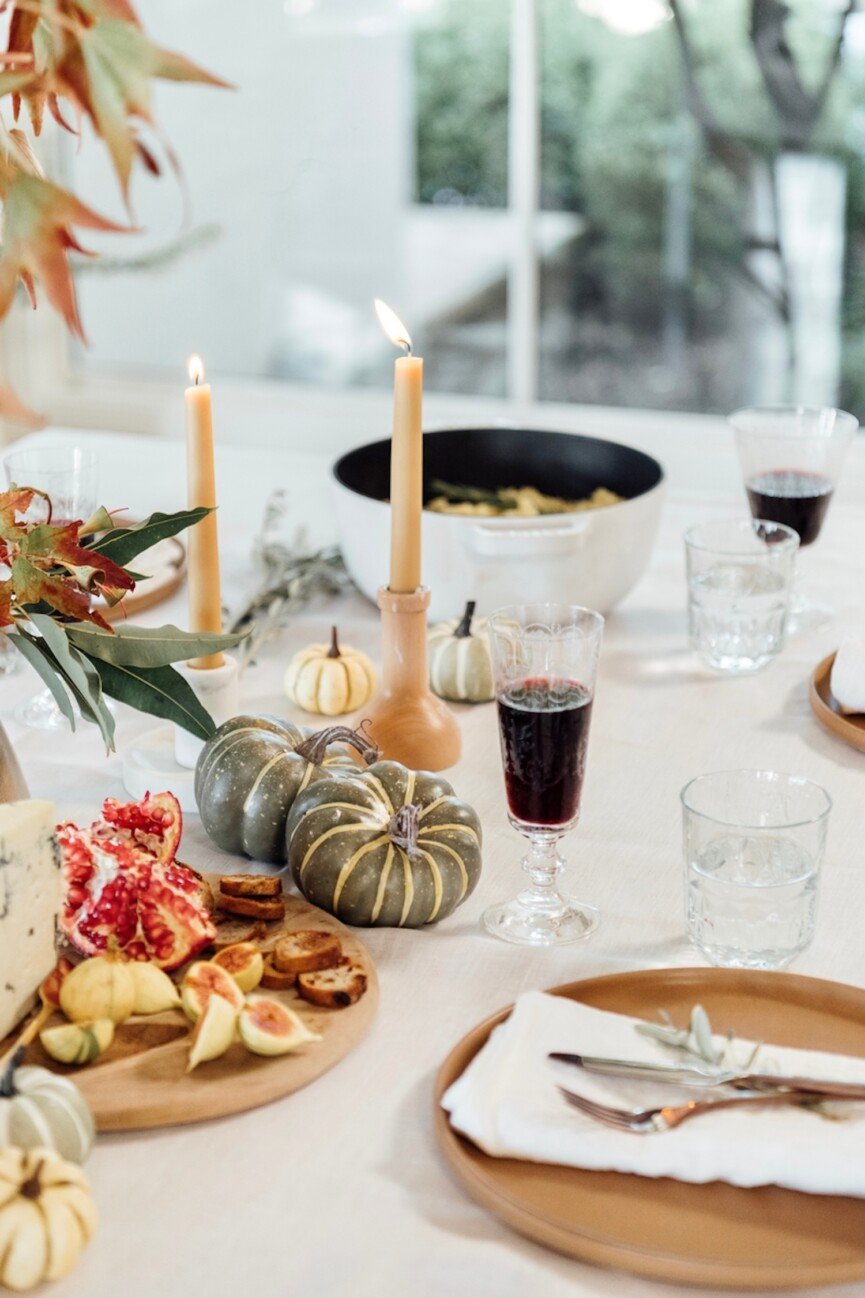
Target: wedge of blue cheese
{"x":30,"y":893}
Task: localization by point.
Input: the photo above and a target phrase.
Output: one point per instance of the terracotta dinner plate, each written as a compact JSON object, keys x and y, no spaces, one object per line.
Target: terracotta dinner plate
{"x":707,"y":1235}
{"x":849,"y":728}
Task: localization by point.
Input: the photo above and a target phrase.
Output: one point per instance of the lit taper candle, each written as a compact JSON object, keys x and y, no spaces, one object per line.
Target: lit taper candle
{"x":205,"y":594}
{"x":406,"y":457}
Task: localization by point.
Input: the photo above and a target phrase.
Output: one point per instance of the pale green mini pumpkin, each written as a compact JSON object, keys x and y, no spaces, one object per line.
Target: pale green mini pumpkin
{"x":389,"y":846}
{"x":249,"y":773}
{"x":460,"y":666}
{"x":39,"y":1109}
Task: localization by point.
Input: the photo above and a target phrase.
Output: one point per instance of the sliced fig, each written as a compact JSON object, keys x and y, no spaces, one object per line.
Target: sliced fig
{"x":203,"y":980}
{"x":269,"y":1028}
{"x":244,"y":962}
{"x":213,"y":1033}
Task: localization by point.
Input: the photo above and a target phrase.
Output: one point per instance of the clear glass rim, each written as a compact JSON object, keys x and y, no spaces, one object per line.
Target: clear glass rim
{"x":84,"y":455}
{"x":845,"y":424}
{"x":790,"y":541}
{"x":802,"y":781}
{"x":591,"y":619}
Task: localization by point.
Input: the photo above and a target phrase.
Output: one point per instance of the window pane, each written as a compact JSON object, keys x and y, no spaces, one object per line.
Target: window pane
{"x":714,"y":171}
{"x":358,"y":158}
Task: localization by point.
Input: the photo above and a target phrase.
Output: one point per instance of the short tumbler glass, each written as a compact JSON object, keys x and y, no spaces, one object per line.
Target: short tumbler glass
{"x":740,"y":575}
{"x":753,"y":845}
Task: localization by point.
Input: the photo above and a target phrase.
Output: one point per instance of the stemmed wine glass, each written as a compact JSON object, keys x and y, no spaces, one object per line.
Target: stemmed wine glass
{"x":69,"y":476}
{"x":791,"y":458}
{"x":545,"y":659}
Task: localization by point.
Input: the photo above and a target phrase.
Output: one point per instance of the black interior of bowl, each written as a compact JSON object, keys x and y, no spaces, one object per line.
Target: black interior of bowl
{"x":560,"y":464}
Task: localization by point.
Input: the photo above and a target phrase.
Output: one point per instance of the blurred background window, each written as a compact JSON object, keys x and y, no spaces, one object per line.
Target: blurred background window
{"x":645,"y":203}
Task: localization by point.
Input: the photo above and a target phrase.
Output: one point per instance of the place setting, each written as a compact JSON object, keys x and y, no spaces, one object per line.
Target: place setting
{"x":353,"y":876}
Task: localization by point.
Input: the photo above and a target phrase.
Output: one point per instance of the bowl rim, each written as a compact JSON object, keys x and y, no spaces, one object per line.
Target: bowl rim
{"x":511,"y":520}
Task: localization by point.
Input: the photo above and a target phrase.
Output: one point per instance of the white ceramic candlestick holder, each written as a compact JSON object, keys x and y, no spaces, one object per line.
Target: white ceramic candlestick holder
{"x":165,"y":757}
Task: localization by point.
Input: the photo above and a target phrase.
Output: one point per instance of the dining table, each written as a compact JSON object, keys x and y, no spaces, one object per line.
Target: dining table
{"x":339,"y":1189}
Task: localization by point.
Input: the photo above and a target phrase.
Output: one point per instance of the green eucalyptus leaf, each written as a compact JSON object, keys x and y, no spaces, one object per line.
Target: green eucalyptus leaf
{"x":122,"y":544}
{"x":102,"y":714}
{"x":42,"y":660}
{"x":140,"y":646}
{"x":161,"y":691}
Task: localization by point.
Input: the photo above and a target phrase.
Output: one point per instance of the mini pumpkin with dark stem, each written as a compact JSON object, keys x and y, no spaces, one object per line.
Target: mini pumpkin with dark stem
{"x":330,"y":679}
{"x":460,"y":666}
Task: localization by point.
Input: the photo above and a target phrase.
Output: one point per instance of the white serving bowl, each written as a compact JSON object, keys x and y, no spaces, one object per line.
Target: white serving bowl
{"x":593,"y":557}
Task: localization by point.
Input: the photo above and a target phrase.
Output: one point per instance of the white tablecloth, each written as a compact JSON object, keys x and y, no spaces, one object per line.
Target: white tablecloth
{"x":339,"y":1189}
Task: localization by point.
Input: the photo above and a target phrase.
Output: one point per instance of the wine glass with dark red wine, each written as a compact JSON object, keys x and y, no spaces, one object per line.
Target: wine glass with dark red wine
{"x":545,"y":660}
{"x":791,"y":458}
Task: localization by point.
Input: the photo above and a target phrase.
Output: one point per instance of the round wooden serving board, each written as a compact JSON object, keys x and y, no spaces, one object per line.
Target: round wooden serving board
{"x":706,"y":1235}
{"x":164,"y":566}
{"x":141,"y":1081}
{"x":850,"y":728}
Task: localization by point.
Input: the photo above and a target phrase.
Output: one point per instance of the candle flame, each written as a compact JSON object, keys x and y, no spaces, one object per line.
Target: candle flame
{"x":195,"y":369}
{"x":393,"y":326}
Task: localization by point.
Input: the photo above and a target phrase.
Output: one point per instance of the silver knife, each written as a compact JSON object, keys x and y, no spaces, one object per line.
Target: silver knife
{"x":689,"y":1076}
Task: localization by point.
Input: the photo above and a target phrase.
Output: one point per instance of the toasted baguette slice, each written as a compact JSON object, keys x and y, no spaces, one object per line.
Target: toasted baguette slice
{"x":333,"y":988}
{"x":253,"y":907}
{"x":307,"y":950}
{"x":231,"y":930}
{"x":274,"y":979}
{"x":251,"y":885}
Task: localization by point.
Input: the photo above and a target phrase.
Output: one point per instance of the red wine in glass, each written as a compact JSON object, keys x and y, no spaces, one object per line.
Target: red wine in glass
{"x":544,"y":725}
{"x":792,"y":497}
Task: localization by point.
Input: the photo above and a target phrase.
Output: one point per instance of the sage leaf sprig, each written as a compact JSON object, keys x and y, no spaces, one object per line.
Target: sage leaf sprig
{"x":291,"y":578}
{"x":696,"y":1041}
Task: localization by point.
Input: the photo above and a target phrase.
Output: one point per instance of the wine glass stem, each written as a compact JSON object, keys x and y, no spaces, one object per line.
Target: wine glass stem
{"x":542,"y":865}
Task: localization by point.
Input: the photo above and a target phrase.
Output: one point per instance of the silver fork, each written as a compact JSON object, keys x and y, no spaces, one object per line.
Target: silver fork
{"x":644,"y":1122}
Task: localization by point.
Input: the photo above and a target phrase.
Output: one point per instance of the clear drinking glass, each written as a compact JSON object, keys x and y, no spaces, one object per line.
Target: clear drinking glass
{"x":69,"y":475}
{"x":753,"y":846}
{"x":791,"y":458}
{"x":740,"y":576}
{"x":545,"y":660}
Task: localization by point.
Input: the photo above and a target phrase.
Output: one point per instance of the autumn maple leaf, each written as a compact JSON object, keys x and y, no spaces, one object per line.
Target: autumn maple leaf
{"x":93,"y":571}
{"x":38,"y":217}
{"x":106,"y":71}
{"x":33,"y":586}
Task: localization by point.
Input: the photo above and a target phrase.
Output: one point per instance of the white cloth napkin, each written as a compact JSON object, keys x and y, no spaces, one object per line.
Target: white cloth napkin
{"x":508,"y":1104}
{"x":847,"y":678}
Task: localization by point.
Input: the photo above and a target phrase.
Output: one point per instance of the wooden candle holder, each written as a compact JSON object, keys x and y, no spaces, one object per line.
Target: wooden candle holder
{"x":407,"y":721}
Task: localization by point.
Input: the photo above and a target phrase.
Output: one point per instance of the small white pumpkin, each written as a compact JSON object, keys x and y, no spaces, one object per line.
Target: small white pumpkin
{"x":460,"y":666}
{"x":40,"y":1108}
{"x":46,"y":1216}
{"x":330,"y":679}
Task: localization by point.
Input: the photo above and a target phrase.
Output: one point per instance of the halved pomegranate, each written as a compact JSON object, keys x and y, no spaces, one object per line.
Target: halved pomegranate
{"x":124,"y":888}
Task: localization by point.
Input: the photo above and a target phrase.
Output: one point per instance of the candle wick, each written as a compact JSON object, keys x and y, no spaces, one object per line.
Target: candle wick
{"x":406,"y":346}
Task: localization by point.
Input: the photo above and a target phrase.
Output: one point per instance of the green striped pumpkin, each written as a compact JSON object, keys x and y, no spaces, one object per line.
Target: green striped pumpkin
{"x":389,"y":847}
{"x":247,"y":777}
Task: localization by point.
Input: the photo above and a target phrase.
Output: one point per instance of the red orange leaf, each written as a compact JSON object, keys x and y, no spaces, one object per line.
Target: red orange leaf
{"x":37,"y":234}
{"x":92,"y":570}
{"x":32,"y":586}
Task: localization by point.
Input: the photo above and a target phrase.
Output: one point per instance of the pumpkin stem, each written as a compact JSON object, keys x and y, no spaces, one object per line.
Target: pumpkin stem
{"x":404,"y":828}
{"x":314,"y":749}
{"x":7,"y":1082}
{"x":333,"y":651}
{"x":465,"y":627}
{"x":32,"y":1187}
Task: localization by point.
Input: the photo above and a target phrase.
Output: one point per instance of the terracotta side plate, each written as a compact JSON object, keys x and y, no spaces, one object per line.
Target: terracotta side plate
{"x":706,"y":1235}
{"x":849,"y":728}
{"x":141,"y":1081}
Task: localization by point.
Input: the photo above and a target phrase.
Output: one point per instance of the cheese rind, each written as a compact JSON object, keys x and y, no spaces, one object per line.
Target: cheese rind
{"x":31,"y":887}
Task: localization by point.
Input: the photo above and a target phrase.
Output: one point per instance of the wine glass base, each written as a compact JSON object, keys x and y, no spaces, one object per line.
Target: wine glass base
{"x":513,"y":922}
{"x":41,"y":713}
